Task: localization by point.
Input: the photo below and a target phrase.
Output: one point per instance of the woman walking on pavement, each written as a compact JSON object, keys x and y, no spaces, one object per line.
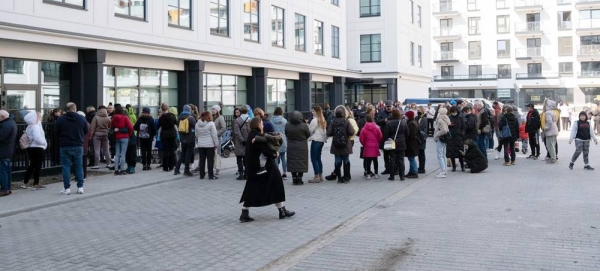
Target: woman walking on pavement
{"x":509,"y":119}
{"x":207,"y":142}
{"x":297,"y":134}
{"x":341,"y":130}
{"x":582,"y":133}
{"x":370,"y":137}
{"x":397,"y":130}
{"x":35,"y":151}
{"x":441,"y":129}
{"x":261,"y":190}
{"x":456,"y":144}
{"x":279,"y":123}
{"x":318,"y":137}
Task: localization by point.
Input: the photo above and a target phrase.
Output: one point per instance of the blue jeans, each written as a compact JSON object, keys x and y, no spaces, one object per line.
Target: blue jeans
{"x":283,"y":162}
{"x":315,"y":156}
{"x":120,"y":151}
{"x":412,"y":160}
{"x":5,"y":174}
{"x":441,"y":155}
{"x":482,"y":144}
{"x":342,"y":158}
{"x":72,"y":156}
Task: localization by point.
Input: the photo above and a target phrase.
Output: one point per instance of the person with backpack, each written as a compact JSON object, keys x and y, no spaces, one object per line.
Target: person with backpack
{"x":582,"y":133}
{"x":186,"y":126}
{"x":146,"y":130}
{"x":509,"y":120}
{"x":341,"y":130}
{"x":397,"y":131}
{"x":167,"y":134}
{"x":412,"y":145}
{"x":241,"y":129}
{"x":532,"y":127}
{"x":441,"y":136}
{"x":36,"y":142}
{"x":297,"y":134}
{"x":123,"y":129}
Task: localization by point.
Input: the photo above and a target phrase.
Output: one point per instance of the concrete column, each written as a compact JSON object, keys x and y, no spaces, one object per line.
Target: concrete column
{"x":337,"y":93}
{"x":257,"y":88}
{"x":303,"y":93}
{"x":190,"y":84}
{"x":88,"y":79}
{"x":392,"y":89}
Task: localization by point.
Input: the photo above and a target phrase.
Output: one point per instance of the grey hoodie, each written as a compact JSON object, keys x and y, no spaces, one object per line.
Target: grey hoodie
{"x":551,"y":128}
{"x":35,"y":131}
{"x":279,"y":123}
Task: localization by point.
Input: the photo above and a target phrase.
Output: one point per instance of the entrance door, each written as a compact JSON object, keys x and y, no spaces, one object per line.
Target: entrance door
{"x":20,"y":100}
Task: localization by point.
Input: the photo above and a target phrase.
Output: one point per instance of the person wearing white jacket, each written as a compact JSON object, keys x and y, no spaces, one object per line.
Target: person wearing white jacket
{"x":207,"y":143}
{"x":318,"y":137}
{"x":37,"y":145}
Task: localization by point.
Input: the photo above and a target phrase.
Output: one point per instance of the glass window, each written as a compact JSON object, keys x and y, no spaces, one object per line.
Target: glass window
{"x":320,"y":93}
{"x":370,"y":48}
{"x":475,"y":70}
{"x":474,"y":49}
{"x":251,"y":20}
{"x":591,"y":68}
{"x":565,"y":46}
{"x":179,"y":13}
{"x":503,"y":24}
{"x":227,"y":91}
{"x":280,"y":93}
{"x":131,"y":8}
{"x":564,"y":20}
{"x":565,"y":69}
{"x":504,"y":71}
{"x":335,"y":41}
{"x":22,"y":72}
{"x":419,"y":56}
{"x":319,"y":38}
{"x":503,"y":48}
{"x":412,"y":53}
{"x":277,"y":26}
{"x":219,"y":17}
{"x":501,"y":4}
{"x":472,"y":5}
{"x":370,"y":8}
{"x":534,"y":69}
{"x":300,"y":34}
{"x":71,"y":3}
{"x":411,"y":11}
{"x":447,"y":71}
{"x":335,"y":2}
{"x":474,"y":26}
{"x":419,"y":16}
{"x":127,"y":77}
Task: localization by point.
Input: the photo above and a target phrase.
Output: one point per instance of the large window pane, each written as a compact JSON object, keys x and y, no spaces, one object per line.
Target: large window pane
{"x":132,"y":8}
{"x":300,"y":35}
{"x":370,"y":48}
{"x":251,"y":20}
{"x":179,"y":13}
{"x":318,"y":37}
{"x":335,"y":41}
{"x":370,"y":8}
{"x":21,"y":72}
{"x":277,"y":26}
{"x":219,"y":17}
{"x":127,"y":77}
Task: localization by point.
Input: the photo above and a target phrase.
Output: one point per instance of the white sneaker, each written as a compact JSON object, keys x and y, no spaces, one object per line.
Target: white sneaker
{"x":441,"y":175}
{"x":368,"y":176}
{"x":66,"y":192}
{"x":94,"y":167}
{"x":80,"y":190}
{"x":376,"y":176}
{"x":497,"y":155}
{"x":110,"y":165}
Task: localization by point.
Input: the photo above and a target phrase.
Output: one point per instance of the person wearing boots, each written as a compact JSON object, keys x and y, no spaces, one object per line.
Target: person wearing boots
{"x":370,"y":137}
{"x":241,"y":128}
{"x":423,"y":128}
{"x":340,"y":130}
{"x":297,"y":134}
{"x":186,"y":126}
{"x":456,"y":143}
{"x":264,"y":189}
{"x":397,"y":130}
{"x":412,"y":145}
{"x":146,"y":130}
{"x":532,"y":127}
{"x":383,"y":117}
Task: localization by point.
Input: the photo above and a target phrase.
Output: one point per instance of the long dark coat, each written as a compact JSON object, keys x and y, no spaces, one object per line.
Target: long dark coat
{"x":423,"y":126}
{"x":265,"y":189}
{"x":513,"y":124}
{"x":297,"y":134}
{"x":412,"y":141}
{"x":349,"y":130}
{"x":471,"y":127}
{"x":390,"y":132}
{"x":474,"y":158}
{"x":455,"y":145}
{"x":240,"y":133}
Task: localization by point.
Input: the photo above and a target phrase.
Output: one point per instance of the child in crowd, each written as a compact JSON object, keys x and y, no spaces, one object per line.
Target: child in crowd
{"x":582,"y":133}
{"x":274,"y":141}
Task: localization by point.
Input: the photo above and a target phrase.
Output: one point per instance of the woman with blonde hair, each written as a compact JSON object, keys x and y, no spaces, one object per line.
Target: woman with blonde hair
{"x":318,"y":137}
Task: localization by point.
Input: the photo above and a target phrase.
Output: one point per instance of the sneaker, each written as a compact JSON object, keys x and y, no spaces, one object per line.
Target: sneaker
{"x":588,"y":167}
{"x":376,"y":176}
{"x":94,"y":167}
{"x":217,"y":172}
{"x":368,"y":176}
{"x":38,"y":187}
{"x":441,"y":175}
{"x":66,"y":192}
{"x":261,"y":171}
{"x":506,"y":164}
{"x":23,"y":185}
{"x":513,"y":163}
{"x":284,"y":177}
{"x":551,"y":161}
{"x":497,"y":155}
{"x":80,"y":190}
{"x":571,"y":165}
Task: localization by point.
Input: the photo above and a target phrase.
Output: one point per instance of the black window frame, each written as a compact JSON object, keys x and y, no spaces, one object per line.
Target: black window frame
{"x":371,"y":51}
{"x":218,"y":17}
{"x":62,"y":3}
{"x":178,"y":25}
{"x":370,"y":6}
{"x":335,"y":2}
{"x":131,"y":17}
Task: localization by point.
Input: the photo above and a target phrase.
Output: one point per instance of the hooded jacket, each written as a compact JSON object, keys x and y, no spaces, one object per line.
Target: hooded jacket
{"x":188,"y":137}
{"x":241,"y":130}
{"x":551,"y":119}
{"x":35,"y":131}
{"x":206,"y":135}
{"x":441,"y":125}
{"x":100,"y":123}
{"x":71,"y":129}
{"x":124,"y":125}
{"x":279,"y":123}
{"x":150,"y":127}
{"x":297,"y":134}
{"x":220,"y":125}
{"x":370,"y":137}
{"x":532,"y":124}
{"x":8,"y":138}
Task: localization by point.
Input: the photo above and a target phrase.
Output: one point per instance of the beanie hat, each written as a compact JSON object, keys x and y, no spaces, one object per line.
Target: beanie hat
{"x":216,"y":107}
{"x":410,"y":114}
{"x":81,"y":113}
{"x":187,"y":108}
{"x":145,"y":110}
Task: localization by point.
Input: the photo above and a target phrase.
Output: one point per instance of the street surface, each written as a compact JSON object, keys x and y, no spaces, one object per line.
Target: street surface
{"x":531,"y":216}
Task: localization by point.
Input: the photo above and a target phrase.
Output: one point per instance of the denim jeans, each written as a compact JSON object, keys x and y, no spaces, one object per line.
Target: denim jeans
{"x":315,"y":156}
{"x":412,"y":160}
{"x":5,"y":174}
{"x":283,"y":162}
{"x":441,"y":155}
{"x":120,"y":151}
{"x":72,"y":157}
{"x":342,"y":158}
{"x":482,"y":144}
{"x":509,"y":143}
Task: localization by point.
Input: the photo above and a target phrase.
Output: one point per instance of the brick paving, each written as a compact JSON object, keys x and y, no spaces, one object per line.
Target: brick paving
{"x":537,"y":217}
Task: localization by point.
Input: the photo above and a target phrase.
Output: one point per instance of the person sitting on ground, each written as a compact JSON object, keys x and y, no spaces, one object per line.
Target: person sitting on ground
{"x":474,"y":157}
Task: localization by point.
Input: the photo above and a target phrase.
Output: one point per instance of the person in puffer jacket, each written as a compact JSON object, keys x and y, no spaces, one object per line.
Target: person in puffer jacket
{"x":551,"y":129}
{"x":207,"y":143}
{"x":99,"y":136}
{"x":370,"y":137}
{"x":37,"y":145}
{"x":582,"y":133}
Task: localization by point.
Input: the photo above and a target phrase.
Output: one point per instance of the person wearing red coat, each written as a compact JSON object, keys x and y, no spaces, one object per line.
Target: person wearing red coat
{"x":123,"y":130}
{"x":370,"y":137}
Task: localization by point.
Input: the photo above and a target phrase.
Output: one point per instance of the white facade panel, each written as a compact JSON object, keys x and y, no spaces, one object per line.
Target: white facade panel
{"x":143,"y":61}
{"x":219,"y":68}
{"x":281,"y":74}
{"x":27,"y":50}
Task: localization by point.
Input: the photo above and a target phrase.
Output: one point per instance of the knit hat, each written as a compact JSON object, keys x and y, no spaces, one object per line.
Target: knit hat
{"x":453,"y":102}
{"x":216,"y":107}
{"x":81,"y":113}
{"x":187,"y":108}
{"x":145,"y":110}
{"x":410,"y":114}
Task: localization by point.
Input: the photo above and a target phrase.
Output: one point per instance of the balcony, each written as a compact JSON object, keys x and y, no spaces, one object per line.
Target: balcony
{"x":528,"y":29}
{"x":467,"y":77}
{"x":527,"y":80}
{"x":588,"y":78}
{"x":588,"y":52}
{"x":446,"y":57}
{"x":530,"y":54}
{"x":588,"y":27}
{"x":446,"y":33}
{"x":564,"y":2}
{"x":444,"y":10}
{"x":482,"y":81}
{"x":565,"y":25}
{"x":587,"y":4}
{"x":528,"y":5}
{"x":589,"y":74}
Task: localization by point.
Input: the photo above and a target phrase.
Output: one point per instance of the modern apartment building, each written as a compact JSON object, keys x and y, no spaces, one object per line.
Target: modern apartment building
{"x":517,"y":50}
{"x":267,"y":53}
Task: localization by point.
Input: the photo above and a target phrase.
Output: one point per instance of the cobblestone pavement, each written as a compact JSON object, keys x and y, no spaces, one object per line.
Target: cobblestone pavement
{"x":537,"y":217}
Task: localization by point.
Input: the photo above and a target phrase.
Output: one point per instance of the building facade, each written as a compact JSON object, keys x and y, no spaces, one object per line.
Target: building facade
{"x":517,"y":50}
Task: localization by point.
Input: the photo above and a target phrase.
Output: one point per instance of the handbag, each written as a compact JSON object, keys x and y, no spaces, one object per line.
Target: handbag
{"x":505,"y":132}
{"x":445,"y":137}
{"x":487,"y":129}
{"x":390,"y":144}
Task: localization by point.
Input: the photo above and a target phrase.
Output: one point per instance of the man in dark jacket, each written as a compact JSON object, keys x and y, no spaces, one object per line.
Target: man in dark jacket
{"x":382,"y":118}
{"x":8,"y":137}
{"x":532,"y":127}
{"x":71,"y":129}
{"x":187,"y":137}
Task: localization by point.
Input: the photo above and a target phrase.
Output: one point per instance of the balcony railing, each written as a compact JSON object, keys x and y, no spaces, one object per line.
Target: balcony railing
{"x":589,"y":50}
{"x":589,"y":23}
{"x":445,"y":31}
{"x":524,"y":27}
{"x":529,"y":52}
{"x":564,"y":2}
{"x":527,"y":3}
{"x":565,"y":25}
{"x":471,"y":77}
{"x":586,"y":1}
{"x":445,"y":55}
{"x":443,"y":7}
{"x":537,"y":75}
{"x":589,"y":74}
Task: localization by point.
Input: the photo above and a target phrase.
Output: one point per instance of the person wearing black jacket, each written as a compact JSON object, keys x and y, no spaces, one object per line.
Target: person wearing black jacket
{"x":382,"y":119}
{"x":470,"y":124}
{"x":146,"y":130}
{"x":397,"y":130}
{"x":168,"y":133}
{"x":473,"y":157}
{"x":511,"y":121}
{"x":8,"y":140}
{"x":532,"y":127}
{"x":455,"y":145}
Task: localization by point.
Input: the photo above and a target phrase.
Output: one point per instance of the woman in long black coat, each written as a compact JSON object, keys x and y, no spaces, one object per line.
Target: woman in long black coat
{"x":455,"y":145}
{"x":265,"y":189}
{"x":474,"y":157}
{"x":297,"y":134}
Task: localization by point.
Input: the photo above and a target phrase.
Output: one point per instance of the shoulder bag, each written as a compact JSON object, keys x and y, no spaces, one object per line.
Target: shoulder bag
{"x":390,"y":144}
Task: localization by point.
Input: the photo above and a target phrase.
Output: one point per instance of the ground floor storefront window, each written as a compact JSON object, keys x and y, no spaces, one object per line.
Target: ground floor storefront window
{"x":319,"y":93}
{"x":537,"y":96}
{"x":372,"y":93}
{"x":280,"y":93}
{"x":227,"y":91}
{"x":592,"y":94}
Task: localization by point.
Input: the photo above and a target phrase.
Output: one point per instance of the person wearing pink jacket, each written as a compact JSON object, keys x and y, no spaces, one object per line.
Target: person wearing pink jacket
{"x":370,"y":137}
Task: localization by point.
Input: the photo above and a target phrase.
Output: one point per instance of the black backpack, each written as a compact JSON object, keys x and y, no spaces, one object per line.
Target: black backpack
{"x":340,"y":135}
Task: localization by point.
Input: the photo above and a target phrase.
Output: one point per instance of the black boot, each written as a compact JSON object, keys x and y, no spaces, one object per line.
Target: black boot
{"x":283,"y":213}
{"x":241,"y":177}
{"x":245,"y":217}
{"x":297,"y":181}
{"x":402,"y":169}
{"x":347,"y":172}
